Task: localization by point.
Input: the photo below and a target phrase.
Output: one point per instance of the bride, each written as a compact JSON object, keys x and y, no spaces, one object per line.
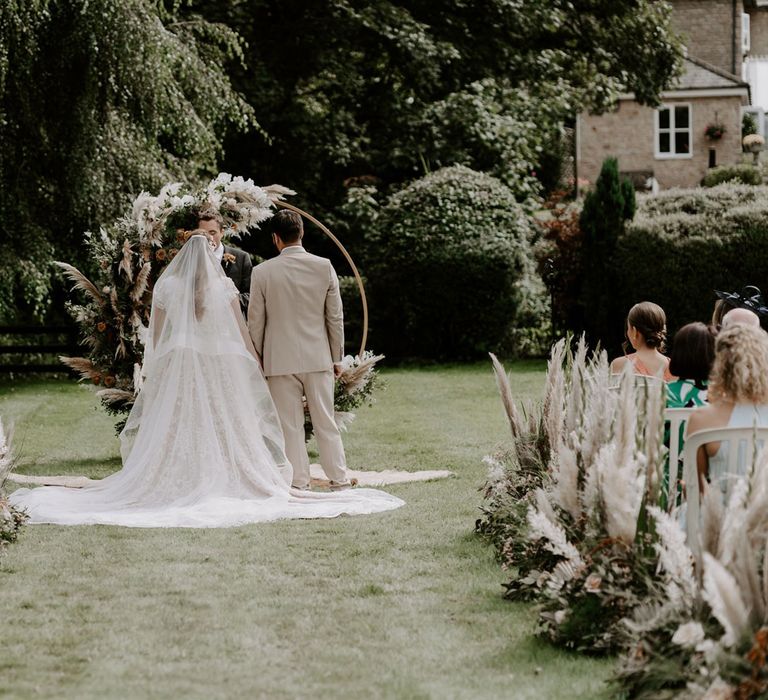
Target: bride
{"x":202,"y":446}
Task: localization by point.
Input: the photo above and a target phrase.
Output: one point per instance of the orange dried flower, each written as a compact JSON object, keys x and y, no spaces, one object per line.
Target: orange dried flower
{"x":172,"y":253}
{"x":109,"y":381}
{"x":96,"y":379}
{"x":160,"y":254}
{"x":101,"y":326}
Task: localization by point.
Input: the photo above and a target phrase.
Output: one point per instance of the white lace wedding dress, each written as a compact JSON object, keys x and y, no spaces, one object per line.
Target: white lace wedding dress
{"x":202,"y":446}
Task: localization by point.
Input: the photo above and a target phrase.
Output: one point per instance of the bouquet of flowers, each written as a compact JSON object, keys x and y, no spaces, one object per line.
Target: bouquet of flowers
{"x":130,"y":255}
{"x":714,"y":132}
{"x":355,"y":387}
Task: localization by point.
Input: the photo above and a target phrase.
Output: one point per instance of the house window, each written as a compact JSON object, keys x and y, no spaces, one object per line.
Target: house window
{"x":673,"y":131}
{"x":745,"y":32}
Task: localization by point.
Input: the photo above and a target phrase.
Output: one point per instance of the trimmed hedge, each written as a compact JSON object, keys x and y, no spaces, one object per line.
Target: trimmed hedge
{"x":745,"y":174}
{"x":684,"y":244}
{"x":450,"y":268}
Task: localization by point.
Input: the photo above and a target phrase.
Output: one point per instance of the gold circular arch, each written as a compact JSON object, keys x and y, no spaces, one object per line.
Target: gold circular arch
{"x":351,"y":262}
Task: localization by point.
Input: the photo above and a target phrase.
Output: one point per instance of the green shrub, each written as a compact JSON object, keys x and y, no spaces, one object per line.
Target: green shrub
{"x":684,"y":244}
{"x":353,"y":314}
{"x":744,"y":173}
{"x":681,"y":246}
{"x":450,"y":268}
{"x":606,"y":210}
{"x":748,"y":124}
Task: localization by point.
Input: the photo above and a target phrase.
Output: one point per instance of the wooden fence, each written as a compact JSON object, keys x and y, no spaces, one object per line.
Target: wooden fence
{"x":29,"y":348}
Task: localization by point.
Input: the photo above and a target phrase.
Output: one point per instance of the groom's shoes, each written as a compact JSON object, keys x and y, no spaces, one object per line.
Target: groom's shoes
{"x":340,"y":485}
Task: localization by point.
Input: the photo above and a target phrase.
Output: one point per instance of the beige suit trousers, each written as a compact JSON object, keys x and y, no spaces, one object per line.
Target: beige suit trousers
{"x":287,"y":392}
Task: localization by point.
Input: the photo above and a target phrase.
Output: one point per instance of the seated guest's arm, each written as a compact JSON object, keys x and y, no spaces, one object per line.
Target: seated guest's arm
{"x":700,"y":420}
{"x":618,"y":365}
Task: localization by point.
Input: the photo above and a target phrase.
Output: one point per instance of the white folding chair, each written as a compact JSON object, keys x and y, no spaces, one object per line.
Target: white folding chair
{"x":750,"y":437}
{"x":676,"y":417}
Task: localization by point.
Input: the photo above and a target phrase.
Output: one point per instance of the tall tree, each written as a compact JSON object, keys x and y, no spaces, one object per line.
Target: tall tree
{"x":391,"y":88}
{"x":99,"y":100}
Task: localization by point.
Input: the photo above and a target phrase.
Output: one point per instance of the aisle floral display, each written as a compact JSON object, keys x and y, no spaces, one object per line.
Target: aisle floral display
{"x":11,"y":519}
{"x":572,"y":507}
{"x":706,"y":636}
{"x":129,"y":256}
{"x":578,"y":540}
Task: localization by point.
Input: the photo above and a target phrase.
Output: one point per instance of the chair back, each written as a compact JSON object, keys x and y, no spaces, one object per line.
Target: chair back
{"x":751,"y":437}
{"x":676,"y":417}
{"x":640,"y":381}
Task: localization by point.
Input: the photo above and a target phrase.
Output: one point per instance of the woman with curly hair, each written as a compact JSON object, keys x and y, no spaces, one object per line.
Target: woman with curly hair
{"x":738,"y":397}
{"x":646,"y":332}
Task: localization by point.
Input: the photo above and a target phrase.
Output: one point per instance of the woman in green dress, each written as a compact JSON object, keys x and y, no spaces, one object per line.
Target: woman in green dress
{"x":693,"y":352}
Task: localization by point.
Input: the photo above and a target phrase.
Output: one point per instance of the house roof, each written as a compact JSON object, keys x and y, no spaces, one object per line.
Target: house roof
{"x":700,"y":75}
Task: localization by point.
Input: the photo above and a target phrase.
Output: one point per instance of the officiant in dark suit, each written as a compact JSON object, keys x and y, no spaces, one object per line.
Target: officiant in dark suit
{"x":236,"y":263}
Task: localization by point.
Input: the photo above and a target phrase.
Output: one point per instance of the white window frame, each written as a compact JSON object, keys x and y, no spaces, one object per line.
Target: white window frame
{"x":672,"y":131}
{"x":745,"y":32}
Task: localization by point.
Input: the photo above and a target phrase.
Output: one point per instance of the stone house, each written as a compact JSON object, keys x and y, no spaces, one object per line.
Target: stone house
{"x":667,"y":146}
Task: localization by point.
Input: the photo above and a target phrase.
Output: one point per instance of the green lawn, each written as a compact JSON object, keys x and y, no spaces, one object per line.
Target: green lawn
{"x":405,"y":604}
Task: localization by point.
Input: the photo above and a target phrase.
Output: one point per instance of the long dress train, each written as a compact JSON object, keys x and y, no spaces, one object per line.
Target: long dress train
{"x":202,"y":446}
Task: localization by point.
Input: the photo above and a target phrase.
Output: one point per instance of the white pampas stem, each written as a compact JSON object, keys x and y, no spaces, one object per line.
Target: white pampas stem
{"x":278,"y":192}
{"x":6,"y":454}
{"x":711,"y":520}
{"x":674,"y":556}
{"x":82,"y":282}
{"x":115,"y":395}
{"x":343,"y":419}
{"x":544,"y":505}
{"x":125,"y":265}
{"x":142,"y":279}
{"x":81,"y":365}
{"x":621,"y":491}
{"x":734,"y":521}
{"x":722,"y":594}
{"x":554,"y":394}
{"x":565,"y":479}
{"x":502,"y":382}
{"x":555,"y":539}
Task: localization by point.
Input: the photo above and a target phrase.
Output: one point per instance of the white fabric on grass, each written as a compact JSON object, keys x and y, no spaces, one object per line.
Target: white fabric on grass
{"x":202,"y":446}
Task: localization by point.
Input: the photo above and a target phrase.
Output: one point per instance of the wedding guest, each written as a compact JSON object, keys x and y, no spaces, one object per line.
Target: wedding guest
{"x":750,"y":297}
{"x":236,"y":263}
{"x":693,"y":352}
{"x":741,"y":316}
{"x":646,"y":332}
{"x":721,"y":308}
{"x":737,"y":395}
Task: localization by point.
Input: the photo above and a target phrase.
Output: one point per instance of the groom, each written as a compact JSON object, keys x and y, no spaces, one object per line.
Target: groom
{"x":236,"y":263}
{"x":296,"y":322}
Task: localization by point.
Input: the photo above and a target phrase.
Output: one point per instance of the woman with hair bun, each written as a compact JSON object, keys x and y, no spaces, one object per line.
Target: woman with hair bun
{"x":646,"y":331}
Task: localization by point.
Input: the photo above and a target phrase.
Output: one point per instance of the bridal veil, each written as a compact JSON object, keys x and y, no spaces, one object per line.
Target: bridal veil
{"x":202,"y":446}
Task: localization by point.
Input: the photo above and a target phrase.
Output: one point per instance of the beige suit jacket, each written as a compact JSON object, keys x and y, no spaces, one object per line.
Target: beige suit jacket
{"x":295,"y":316}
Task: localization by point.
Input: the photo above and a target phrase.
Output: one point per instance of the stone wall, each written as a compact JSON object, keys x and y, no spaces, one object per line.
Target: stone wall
{"x":758,"y":19}
{"x":627,"y":133}
{"x":707,"y":29}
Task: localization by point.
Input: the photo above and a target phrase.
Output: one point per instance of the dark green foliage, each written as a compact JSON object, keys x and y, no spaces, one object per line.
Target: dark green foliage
{"x":685,"y":244}
{"x":389,"y":88}
{"x":449,"y":268}
{"x":98,"y":101}
{"x":603,"y":218}
{"x":748,"y":124}
{"x":353,"y":314}
{"x":745,"y":174}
